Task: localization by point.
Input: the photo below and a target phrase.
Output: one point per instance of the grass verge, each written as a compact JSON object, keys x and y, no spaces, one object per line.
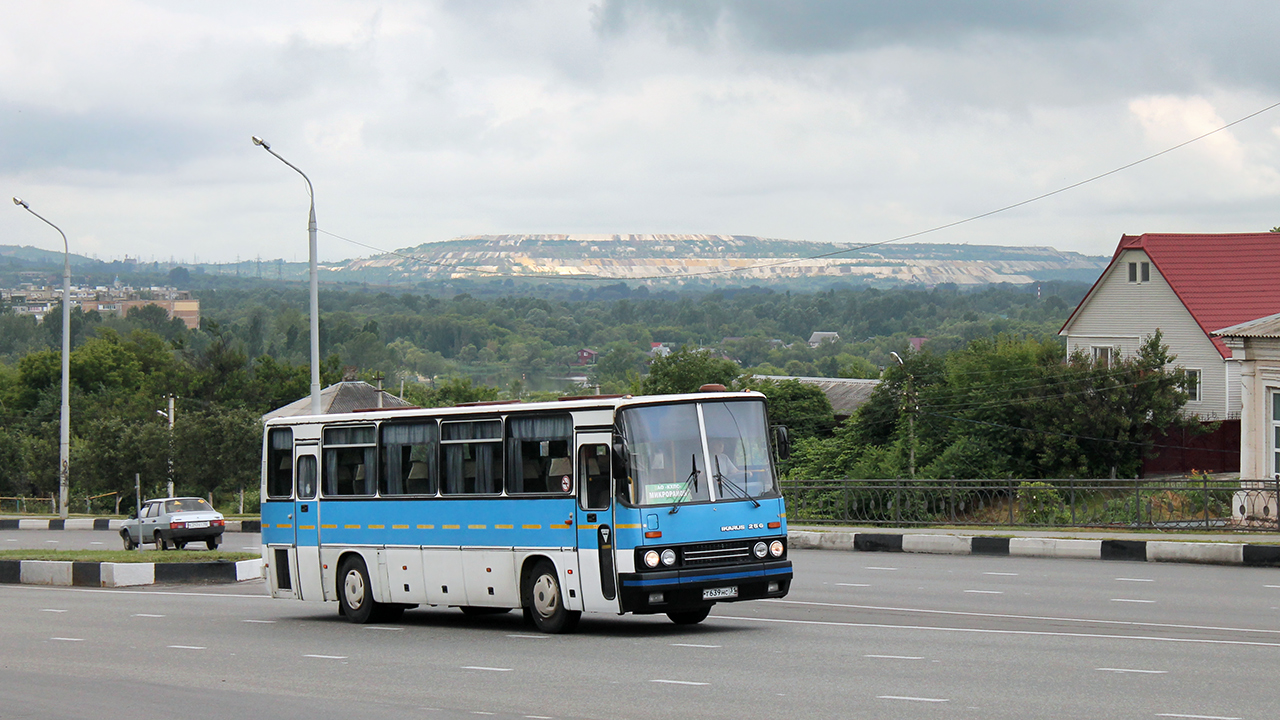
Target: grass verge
{"x":128,"y":556}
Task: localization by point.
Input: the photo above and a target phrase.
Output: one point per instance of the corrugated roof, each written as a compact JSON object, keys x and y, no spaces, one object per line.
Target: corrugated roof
{"x":341,"y":397}
{"x":845,"y":394}
{"x":1267,"y":327}
{"x":1222,"y":279}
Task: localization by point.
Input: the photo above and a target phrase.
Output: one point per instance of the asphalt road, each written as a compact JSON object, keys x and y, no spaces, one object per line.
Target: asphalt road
{"x":107,"y":540}
{"x":861,"y":636}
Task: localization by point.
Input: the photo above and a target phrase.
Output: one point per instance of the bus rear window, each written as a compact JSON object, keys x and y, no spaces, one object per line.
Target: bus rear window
{"x":280,"y":463}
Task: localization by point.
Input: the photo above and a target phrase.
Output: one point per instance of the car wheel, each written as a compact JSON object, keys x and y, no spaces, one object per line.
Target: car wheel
{"x":129,"y":544}
{"x":689,"y":617}
{"x":354,"y":591}
{"x":211,"y":543}
{"x":161,"y":543}
{"x":544,"y":597}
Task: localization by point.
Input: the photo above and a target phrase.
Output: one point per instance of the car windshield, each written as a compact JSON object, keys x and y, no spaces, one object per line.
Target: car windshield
{"x":187,"y":505}
{"x":676,"y":453}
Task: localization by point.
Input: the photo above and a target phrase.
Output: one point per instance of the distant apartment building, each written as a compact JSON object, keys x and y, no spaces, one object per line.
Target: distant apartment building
{"x":37,"y":301}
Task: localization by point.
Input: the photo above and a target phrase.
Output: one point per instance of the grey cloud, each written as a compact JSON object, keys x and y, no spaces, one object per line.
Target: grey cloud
{"x":37,"y":138}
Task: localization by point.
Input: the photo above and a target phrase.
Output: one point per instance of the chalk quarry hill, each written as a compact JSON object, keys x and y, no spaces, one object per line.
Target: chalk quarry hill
{"x":750,"y":259}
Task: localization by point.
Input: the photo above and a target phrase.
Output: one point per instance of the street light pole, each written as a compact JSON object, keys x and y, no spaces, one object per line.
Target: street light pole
{"x":64,"y":421}
{"x":315,"y":280}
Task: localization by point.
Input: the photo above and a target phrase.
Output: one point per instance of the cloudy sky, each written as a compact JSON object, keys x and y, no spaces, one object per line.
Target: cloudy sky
{"x":127,"y":122}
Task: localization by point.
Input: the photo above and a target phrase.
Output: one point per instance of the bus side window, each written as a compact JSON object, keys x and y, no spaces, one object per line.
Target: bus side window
{"x":593,"y":468}
{"x":280,"y":463}
{"x":307,"y":477}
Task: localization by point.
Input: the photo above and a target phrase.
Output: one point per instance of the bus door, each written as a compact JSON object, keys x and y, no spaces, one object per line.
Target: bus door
{"x":596,"y":542}
{"x":306,"y":523}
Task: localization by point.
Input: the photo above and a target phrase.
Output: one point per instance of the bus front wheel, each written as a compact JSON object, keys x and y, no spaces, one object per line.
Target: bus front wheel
{"x":689,"y":617}
{"x":354,"y":592}
{"x":544,"y":598}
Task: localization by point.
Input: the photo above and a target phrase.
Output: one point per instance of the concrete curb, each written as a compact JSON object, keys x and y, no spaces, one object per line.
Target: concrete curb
{"x":1134,"y":550}
{"x":92,"y":574}
{"x":110,"y":524}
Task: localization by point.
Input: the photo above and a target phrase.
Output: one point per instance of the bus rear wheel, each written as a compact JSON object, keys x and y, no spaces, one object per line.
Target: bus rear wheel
{"x":544,"y":598}
{"x":354,"y":591}
{"x":689,"y":617}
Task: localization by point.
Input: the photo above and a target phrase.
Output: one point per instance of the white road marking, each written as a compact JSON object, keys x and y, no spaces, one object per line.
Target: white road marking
{"x":894,"y":657}
{"x":54,"y":588}
{"x":187,"y":647}
{"x":679,"y":682}
{"x":67,"y":639}
{"x":879,"y":568}
{"x":480,"y":712}
{"x":986,"y":592}
{"x":250,"y":548}
{"x":531,"y":637}
{"x":327,"y":657}
{"x":264,"y":622}
{"x":1198,"y":717}
{"x":1136,"y":579}
{"x":51,"y":610}
{"x":481,"y":667}
{"x":51,"y":541}
{"x":1129,"y":600}
{"x":912,"y":699}
{"x":146,"y":615}
{"x":853,"y":585}
{"x":538,"y":717}
{"x":1271,"y":586}
{"x":988,"y":631}
{"x":1003,"y":574}
{"x":692,"y":645}
{"x":11,"y":540}
{"x":969,"y":613}
{"x":1131,"y":670}
{"x":95,"y":542}
{"x":380,"y":627}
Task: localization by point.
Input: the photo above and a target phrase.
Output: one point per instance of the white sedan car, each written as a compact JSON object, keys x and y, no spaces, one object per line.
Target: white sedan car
{"x":174,"y":522}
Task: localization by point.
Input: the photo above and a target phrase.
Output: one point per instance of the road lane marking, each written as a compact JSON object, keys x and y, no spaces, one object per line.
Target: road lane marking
{"x":327,"y":657}
{"x":879,"y":568}
{"x":1008,"y":616}
{"x":1002,"y":574}
{"x":95,"y":543}
{"x":488,"y":669}
{"x":54,"y":588}
{"x":51,"y":541}
{"x":187,"y":647}
{"x":67,"y":639}
{"x":263,"y":622}
{"x":853,"y":585}
{"x":912,"y":699}
{"x":379,"y":627}
{"x":1130,"y":600}
{"x":679,"y":682}
{"x":538,"y":717}
{"x":1136,"y":579}
{"x":986,"y":592}
{"x":53,"y":610}
{"x":692,"y":645}
{"x":988,"y":631}
{"x":1271,"y":586}
{"x":148,"y":615}
{"x":531,"y":637}
{"x":480,"y":712}
{"x":1131,"y":670}
{"x":1198,"y":717}
{"x":894,"y":657}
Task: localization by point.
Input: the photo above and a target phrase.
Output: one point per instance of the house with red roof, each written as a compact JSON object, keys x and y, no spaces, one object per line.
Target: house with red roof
{"x":1186,"y":286}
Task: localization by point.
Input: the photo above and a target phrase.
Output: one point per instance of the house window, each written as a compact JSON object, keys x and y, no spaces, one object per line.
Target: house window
{"x":1146,"y":272}
{"x":1105,"y":355}
{"x":1193,"y":386}
{"x":1139,"y":272}
{"x":1133,"y":272}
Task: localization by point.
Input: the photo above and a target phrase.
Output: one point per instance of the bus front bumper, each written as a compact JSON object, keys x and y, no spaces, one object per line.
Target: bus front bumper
{"x":667,"y":591}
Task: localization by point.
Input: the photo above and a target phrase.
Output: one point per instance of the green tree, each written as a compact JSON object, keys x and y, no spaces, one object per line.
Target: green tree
{"x":685,"y":370}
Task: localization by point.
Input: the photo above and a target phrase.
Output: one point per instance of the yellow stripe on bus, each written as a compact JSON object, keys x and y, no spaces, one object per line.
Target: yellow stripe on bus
{"x":531,"y":527}
{"x":328,"y":527}
{"x":477,"y":527}
{"x":351,"y":527}
{"x":559,"y":527}
{"x":284,"y":525}
{"x":426,"y":527}
{"x":306,"y":527}
{"x":503,"y":527}
{"x":377,"y":527}
{"x":586,"y":527}
{"x":629,"y":526}
{"x":450,"y":527}
{"x":399,"y":527}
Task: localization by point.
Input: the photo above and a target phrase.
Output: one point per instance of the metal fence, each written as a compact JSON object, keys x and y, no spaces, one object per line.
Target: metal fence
{"x":1187,"y":503}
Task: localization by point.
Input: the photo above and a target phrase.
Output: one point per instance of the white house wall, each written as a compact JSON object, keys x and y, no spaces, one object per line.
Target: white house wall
{"x":1122,"y":314}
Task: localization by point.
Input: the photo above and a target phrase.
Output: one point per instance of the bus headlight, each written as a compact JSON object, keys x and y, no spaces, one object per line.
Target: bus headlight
{"x":651,"y":558}
{"x":760,"y":550}
{"x":776,"y":548}
{"x":668,"y":557}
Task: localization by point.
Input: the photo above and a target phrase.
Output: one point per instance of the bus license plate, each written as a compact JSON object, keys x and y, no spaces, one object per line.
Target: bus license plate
{"x":720,"y":593}
{"x":200,"y":524}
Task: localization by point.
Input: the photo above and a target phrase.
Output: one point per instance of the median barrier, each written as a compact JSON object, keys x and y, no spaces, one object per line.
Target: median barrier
{"x":91,"y":574}
{"x":1213,"y":553}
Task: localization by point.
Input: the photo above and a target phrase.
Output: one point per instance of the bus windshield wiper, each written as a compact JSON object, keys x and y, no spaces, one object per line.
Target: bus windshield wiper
{"x":692,"y":479}
{"x":721,"y":480}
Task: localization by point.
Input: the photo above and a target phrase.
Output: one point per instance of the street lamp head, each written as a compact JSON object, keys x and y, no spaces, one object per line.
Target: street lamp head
{"x":898,"y":357}
{"x":259,"y":141}
{"x":19,"y":201}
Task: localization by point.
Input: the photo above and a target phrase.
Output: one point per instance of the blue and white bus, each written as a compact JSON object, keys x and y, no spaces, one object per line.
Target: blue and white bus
{"x":656,"y":504}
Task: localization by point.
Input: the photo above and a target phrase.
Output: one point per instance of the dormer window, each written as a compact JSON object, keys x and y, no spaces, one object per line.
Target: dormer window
{"x":1139,"y":272}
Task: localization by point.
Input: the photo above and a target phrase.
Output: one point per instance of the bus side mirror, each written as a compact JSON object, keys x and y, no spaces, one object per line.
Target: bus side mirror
{"x":781,"y":442}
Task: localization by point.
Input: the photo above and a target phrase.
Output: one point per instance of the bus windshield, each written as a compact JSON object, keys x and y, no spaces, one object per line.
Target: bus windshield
{"x":694,"y":452}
